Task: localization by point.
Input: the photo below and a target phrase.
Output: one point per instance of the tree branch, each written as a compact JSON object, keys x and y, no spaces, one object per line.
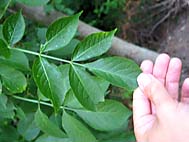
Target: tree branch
{"x":119,"y":46}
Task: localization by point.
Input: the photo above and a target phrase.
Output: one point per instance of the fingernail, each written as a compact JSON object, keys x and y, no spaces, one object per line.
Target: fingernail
{"x":143,"y":80}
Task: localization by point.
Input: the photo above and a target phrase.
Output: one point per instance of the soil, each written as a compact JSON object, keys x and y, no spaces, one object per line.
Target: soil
{"x":175,"y":40}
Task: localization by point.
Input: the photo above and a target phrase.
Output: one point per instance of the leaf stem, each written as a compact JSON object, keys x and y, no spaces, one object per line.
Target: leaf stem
{"x":42,"y":55}
{"x":39,"y":102}
{"x":47,"y":56}
{"x":81,"y":65}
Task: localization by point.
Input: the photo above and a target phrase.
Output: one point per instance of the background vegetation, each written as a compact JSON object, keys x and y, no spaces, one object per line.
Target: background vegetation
{"x":23,"y":118}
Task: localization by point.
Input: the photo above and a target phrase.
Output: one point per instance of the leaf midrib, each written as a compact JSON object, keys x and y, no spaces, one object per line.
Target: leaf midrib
{"x":14,"y":28}
{"x":81,"y":82}
{"x":97,"y":69}
{"x":47,"y":79}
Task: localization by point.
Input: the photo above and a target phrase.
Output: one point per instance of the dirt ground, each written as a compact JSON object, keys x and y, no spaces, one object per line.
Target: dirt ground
{"x":175,"y":41}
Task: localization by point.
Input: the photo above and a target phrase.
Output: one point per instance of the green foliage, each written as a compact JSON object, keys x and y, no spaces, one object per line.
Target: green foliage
{"x":60,"y":99}
{"x":47,"y":126}
{"x":4,"y":51}
{"x":8,"y":134}
{"x":6,"y":108}
{"x":13,"y":28}
{"x":110,"y":115}
{"x":89,"y":47}
{"x":119,"y":71}
{"x":27,"y":127}
{"x":33,"y":2}
{"x":47,"y":138}
{"x":76,"y":130}
{"x":105,"y":14}
{"x":49,"y":81}
{"x":12,"y":79}
{"x":60,"y":33}
{"x":17,"y":60}
{"x":3,"y":6}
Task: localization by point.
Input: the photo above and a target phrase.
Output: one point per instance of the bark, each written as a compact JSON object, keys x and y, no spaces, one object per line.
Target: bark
{"x":119,"y":46}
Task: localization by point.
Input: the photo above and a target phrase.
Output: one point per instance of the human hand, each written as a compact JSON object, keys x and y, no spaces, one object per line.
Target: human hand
{"x":158,"y":116}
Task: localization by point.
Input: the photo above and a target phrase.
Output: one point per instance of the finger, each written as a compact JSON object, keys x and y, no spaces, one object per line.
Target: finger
{"x":160,"y":67}
{"x":141,"y":105}
{"x":154,"y":90}
{"x":147,"y":66}
{"x":185,"y":91}
{"x":142,"y":117}
{"x":173,"y":77}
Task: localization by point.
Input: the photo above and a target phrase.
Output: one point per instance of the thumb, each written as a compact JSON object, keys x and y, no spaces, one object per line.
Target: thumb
{"x":154,"y":90}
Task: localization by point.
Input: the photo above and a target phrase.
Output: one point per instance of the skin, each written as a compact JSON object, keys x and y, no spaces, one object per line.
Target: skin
{"x":157,"y":114}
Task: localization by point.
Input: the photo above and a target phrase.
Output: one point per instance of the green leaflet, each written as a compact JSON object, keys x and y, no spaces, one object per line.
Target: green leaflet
{"x":3,"y":6}
{"x":60,"y":33}
{"x":4,"y":50}
{"x":47,"y":138}
{"x":124,"y":136}
{"x":49,"y":81}
{"x":92,"y":46}
{"x":20,"y":113}
{"x":67,"y":50}
{"x":110,"y":115}
{"x":41,"y":96}
{"x":1,"y":32}
{"x":0,"y":87}
{"x":8,"y":134}
{"x":78,"y":87}
{"x":27,"y":127}
{"x":86,"y":88}
{"x":17,"y":60}
{"x":12,"y":79}
{"x":6,"y":107}
{"x":13,"y":28}
{"x":71,"y":101}
{"x":33,"y":2}
{"x":47,"y":126}
{"x":64,"y":69}
{"x":118,"y":71}
{"x":76,"y":131}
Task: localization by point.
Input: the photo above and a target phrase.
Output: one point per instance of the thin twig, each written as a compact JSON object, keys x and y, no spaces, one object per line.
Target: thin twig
{"x":41,"y":102}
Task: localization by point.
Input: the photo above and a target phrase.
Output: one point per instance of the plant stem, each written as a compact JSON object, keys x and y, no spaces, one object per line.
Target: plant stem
{"x":41,"y":102}
{"x":42,"y":55}
{"x":47,"y":56}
